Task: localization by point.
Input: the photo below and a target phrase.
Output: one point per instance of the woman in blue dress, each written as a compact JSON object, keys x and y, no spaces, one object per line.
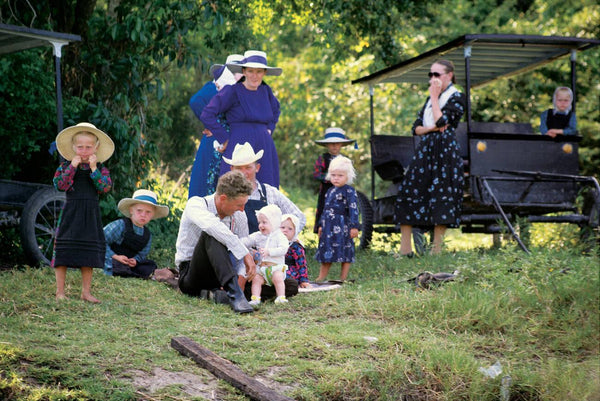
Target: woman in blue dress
{"x":432,"y":190}
{"x":338,"y":225}
{"x":207,"y":164}
{"x":252,"y":112}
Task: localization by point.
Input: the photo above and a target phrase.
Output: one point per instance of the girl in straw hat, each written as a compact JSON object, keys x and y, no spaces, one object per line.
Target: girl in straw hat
{"x":335,"y":139}
{"x":79,"y":239}
{"x":252,"y":112}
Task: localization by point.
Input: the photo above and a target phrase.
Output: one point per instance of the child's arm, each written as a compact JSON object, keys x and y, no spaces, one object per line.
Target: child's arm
{"x":571,"y":129}
{"x":101,"y":179}
{"x":277,"y":245}
{"x":320,"y":172}
{"x":543,"y":126}
{"x":113,"y":234}
{"x":352,"y":202}
{"x":63,"y":177}
{"x":300,"y":261}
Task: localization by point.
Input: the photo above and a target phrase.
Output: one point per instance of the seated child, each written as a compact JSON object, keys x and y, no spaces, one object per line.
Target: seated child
{"x":128,"y":241}
{"x":272,"y":246}
{"x":295,"y":258}
{"x":561,"y":119}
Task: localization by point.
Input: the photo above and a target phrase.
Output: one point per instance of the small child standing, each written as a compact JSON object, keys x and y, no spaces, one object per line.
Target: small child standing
{"x":339,"y":221}
{"x":79,"y":239}
{"x":561,"y":119}
{"x":272,"y":246}
{"x":295,"y":258}
{"x":128,"y":240}
{"x":335,"y":139}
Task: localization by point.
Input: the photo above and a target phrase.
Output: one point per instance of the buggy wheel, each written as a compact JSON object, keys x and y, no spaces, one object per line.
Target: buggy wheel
{"x":39,"y":222}
{"x":365,"y":219}
{"x":590,"y":233}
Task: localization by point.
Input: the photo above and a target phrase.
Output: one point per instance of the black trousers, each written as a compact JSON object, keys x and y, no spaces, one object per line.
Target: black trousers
{"x":211,"y":267}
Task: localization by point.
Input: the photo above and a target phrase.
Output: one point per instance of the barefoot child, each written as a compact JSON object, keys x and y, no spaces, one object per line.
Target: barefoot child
{"x":295,"y":258}
{"x":79,"y":239}
{"x":335,"y":139}
{"x":128,"y":240}
{"x":339,"y":221}
{"x":272,"y":246}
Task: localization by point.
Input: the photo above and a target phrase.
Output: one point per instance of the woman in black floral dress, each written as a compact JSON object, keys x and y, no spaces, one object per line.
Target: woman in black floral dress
{"x":432,"y":190}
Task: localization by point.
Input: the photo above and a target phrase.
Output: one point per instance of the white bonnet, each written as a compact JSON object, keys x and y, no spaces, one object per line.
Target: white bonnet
{"x":273,"y":214}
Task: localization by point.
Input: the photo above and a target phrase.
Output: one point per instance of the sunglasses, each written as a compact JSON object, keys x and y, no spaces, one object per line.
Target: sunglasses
{"x":435,"y":74}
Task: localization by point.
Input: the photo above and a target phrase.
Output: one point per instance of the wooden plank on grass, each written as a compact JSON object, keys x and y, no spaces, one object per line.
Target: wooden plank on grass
{"x":226,"y":370}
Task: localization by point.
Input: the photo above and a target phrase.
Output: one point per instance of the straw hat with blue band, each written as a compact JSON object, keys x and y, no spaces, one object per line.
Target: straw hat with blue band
{"x":335,"y":135}
{"x":254,"y":59}
{"x":143,"y":196}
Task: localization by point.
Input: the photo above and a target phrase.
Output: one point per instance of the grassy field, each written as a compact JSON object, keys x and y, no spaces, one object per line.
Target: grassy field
{"x":378,"y":338}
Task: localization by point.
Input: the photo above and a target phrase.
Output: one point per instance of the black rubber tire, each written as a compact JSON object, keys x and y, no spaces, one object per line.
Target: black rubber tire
{"x":39,"y":222}
{"x":365,"y":219}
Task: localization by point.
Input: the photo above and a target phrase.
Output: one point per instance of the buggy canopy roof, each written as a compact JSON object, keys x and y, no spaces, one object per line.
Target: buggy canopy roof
{"x":15,"y":38}
{"x":491,"y":56}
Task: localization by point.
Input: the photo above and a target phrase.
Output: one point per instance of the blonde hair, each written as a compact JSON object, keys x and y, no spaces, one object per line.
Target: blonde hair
{"x":342,"y":163}
{"x":563,"y":89}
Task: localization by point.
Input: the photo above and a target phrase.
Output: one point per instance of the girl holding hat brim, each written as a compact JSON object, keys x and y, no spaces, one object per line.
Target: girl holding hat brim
{"x":80,"y":241}
{"x":128,"y":240}
{"x":252,"y":112}
{"x":207,"y":164}
{"x":335,"y":138}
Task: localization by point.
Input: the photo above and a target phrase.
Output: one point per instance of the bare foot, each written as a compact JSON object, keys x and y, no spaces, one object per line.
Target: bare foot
{"x":319,"y":279}
{"x":90,"y":298}
{"x":60,"y":297}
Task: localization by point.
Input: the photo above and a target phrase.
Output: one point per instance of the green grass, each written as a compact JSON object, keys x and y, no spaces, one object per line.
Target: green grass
{"x":378,"y":338}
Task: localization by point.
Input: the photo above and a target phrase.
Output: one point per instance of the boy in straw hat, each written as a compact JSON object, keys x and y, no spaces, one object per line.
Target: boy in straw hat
{"x":335,"y":138}
{"x":79,"y":239}
{"x":207,"y":164}
{"x":128,"y":240}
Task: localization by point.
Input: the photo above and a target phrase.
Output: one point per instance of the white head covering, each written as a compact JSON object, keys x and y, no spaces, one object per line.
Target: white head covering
{"x":273,"y":214}
{"x":226,"y":77}
{"x":295,"y":223}
{"x":556,"y":92}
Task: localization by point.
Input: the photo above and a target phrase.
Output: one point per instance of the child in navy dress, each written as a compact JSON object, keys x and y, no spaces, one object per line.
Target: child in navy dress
{"x":295,"y":258}
{"x":339,"y":222}
{"x":335,"y":139}
{"x":561,"y":119}
{"x":80,"y":239}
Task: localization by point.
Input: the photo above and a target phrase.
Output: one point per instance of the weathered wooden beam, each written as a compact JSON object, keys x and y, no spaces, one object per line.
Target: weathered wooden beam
{"x":225,"y":370}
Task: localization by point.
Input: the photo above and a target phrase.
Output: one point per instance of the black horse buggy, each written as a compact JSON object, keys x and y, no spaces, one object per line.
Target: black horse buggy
{"x":511,"y":171}
{"x":31,"y":206}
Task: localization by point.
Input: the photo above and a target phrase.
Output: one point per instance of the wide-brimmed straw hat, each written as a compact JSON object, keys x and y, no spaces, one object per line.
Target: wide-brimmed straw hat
{"x":231,"y":59}
{"x":64,"y":141}
{"x":243,"y":155}
{"x":143,"y":196}
{"x":335,"y":135}
{"x":254,"y":59}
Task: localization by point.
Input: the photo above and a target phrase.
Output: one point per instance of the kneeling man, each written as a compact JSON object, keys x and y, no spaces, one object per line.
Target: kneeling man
{"x":210,"y":253}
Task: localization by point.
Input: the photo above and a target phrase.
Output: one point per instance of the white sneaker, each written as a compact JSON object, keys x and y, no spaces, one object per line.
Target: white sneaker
{"x":281,"y":300}
{"x":254,"y":301}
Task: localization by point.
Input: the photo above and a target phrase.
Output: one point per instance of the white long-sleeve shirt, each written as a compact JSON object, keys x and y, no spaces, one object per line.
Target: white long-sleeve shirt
{"x":200,"y":214}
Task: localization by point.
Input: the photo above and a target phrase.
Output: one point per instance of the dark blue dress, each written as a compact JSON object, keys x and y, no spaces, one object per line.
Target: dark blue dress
{"x":432,"y":190}
{"x":203,"y":179}
{"x":250,"y":115}
{"x":340,"y":215}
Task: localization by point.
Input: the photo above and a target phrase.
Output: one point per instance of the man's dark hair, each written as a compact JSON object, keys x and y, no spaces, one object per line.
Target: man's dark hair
{"x":233,"y":184}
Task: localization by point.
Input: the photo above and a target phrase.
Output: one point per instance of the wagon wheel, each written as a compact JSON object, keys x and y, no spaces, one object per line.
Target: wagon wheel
{"x":365,"y":219}
{"x":39,"y":222}
{"x":590,"y":232}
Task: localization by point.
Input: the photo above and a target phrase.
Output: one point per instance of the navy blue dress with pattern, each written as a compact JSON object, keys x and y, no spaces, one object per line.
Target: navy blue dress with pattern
{"x":340,"y":215}
{"x":432,"y":190}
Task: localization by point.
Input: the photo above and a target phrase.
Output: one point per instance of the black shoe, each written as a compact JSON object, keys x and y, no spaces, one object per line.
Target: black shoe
{"x":220,"y":296}
{"x":237,"y":300}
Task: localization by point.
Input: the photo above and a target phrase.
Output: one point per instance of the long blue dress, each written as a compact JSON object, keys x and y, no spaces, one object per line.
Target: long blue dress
{"x":339,"y":216}
{"x":432,"y":190}
{"x":250,"y":115}
{"x":201,"y":183}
